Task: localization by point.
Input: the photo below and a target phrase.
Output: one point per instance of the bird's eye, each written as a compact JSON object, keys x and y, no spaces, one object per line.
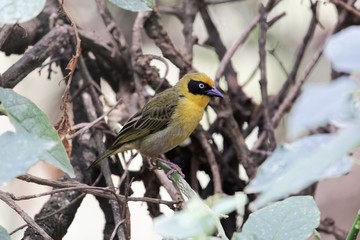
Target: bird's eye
{"x":201,"y":85}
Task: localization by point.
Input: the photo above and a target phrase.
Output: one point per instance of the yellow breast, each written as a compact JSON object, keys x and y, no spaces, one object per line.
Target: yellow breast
{"x":187,"y":116}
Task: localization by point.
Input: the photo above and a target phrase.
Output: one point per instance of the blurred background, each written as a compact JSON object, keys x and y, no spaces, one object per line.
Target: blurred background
{"x":337,"y":198}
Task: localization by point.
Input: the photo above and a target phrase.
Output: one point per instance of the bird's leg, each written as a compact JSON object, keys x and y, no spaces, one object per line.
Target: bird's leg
{"x":152,"y":164}
{"x":173,"y":166}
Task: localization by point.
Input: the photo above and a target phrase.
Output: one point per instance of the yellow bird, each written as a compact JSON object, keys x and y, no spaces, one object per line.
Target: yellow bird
{"x":167,"y":119}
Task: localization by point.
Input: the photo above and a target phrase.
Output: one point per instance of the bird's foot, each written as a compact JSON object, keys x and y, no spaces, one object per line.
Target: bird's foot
{"x":174,"y":167}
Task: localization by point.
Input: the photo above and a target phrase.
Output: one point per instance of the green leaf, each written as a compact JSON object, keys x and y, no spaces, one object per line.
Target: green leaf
{"x":194,"y":220}
{"x":228,"y":204}
{"x":197,"y":219}
{"x":321,"y":104}
{"x":310,"y":169}
{"x":134,"y":5}
{"x":28,"y":118}
{"x":4,"y":234}
{"x":18,"y":11}
{"x":343,"y":50}
{"x":19,"y":151}
{"x":293,"y":218}
{"x":287,"y":156}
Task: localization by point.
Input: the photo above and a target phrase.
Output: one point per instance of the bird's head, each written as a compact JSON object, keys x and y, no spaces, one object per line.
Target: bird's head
{"x":198,"y":88}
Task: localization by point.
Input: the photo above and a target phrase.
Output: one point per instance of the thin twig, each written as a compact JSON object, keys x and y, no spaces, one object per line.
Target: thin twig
{"x":126,"y":170}
{"x":77,"y":186}
{"x":17,"y":229}
{"x":190,"y":8}
{"x":328,"y":226}
{"x":113,"y":234}
{"x":289,"y":99}
{"x":118,"y":38}
{"x":136,"y":51}
{"x":264,"y":11}
{"x":162,"y":79}
{"x":89,"y":125}
{"x":231,"y":51}
{"x":60,"y":209}
{"x":155,"y":30}
{"x":299,"y":57}
{"x":293,"y":73}
{"x":5,"y":197}
{"x":251,"y":76}
{"x":86,"y":74}
{"x":273,"y":53}
{"x":212,"y":162}
{"x":116,"y":205}
{"x":347,"y":7}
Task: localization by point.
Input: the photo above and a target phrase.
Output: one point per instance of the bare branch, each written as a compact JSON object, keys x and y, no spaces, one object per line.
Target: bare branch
{"x":212,"y":162}
{"x":347,"y":7}
{"x":264,"y":10}
{"x":5,"y":33}
{"x":53,"y":42}
{"x":5,"y":197}
{"x":155,"y":31}
{"x":231,"y":51}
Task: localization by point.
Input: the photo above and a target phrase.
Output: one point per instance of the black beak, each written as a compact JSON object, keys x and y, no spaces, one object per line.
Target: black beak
{"x":214,"y":93}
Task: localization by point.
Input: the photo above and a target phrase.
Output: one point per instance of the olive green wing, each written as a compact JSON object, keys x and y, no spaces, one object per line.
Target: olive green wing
{"x":154,"y":116}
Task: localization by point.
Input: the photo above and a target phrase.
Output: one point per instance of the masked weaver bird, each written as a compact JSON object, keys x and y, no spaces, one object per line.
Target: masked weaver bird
{"x":167,"y":119}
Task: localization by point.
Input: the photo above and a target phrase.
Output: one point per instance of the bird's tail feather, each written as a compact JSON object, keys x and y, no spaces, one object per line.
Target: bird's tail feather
{"x":103,"y":156}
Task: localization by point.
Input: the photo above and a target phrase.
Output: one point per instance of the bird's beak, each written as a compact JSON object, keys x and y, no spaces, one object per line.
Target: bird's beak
{"x":214,"y":93}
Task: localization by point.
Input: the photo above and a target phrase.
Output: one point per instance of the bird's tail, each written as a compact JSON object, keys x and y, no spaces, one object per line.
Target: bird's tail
{"x":104,"y":155}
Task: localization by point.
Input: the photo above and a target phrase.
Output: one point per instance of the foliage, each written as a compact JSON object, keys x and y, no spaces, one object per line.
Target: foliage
{"x":343,"y":50}
{"x":293,"y":218}
{"x":18,"y":11}
{"x":291,"y":167}
{"x":15,"y":162}
{"x":134,"y":5}
{"x":4,"y":234}
{"x":35,"y":137}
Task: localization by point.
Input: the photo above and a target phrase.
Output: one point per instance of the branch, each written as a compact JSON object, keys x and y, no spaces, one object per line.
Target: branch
{"x":64,"y":186}
{"x":168,"y":185}
{"x":28,"y":33}
{"x":264,"y":11}
{"x":212,"y":162}
{"x":290,"y":98}
{"x":347,"y":7}
{"x":190,"y":8}
{"x":299,"y":57}
{"x":155,"y":31}
{"x":5,"y":32}
{"x":136,"y":52}
{"x":328,"y":226}
{"x":5,"y":197}
{"x":117,"y":36}
{"x":49,"y":45}
{"x":231,"y":51}
{"x":290,"y":81}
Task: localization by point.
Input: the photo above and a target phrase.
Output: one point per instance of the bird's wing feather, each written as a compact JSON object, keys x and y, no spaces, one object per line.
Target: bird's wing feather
{"x":154,"y":116}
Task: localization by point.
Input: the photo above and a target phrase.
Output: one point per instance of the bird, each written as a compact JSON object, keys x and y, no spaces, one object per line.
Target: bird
{"x":166,"y":120}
